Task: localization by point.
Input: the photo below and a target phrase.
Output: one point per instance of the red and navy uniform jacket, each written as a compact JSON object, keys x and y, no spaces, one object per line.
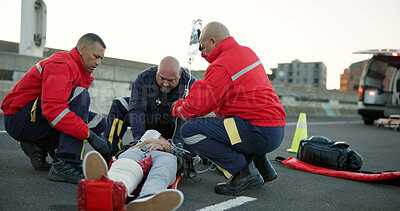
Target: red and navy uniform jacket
{"x":52,"y":79}
{"x":235,"y":84}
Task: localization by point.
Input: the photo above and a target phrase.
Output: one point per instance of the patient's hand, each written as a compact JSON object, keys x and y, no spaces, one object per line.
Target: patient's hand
{"x":158,"y":144}
{"x":155,"y":144}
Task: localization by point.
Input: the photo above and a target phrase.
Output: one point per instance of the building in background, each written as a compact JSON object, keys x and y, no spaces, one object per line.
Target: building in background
{"x":271,"y":76}
{"x":344,"y":80}
{"x":305,"y":73}
{"x":350,"y":79}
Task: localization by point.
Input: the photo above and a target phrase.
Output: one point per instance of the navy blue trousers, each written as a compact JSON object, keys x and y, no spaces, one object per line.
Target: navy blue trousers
{"x":226,"y":141}
{"x":117,"y":122}
{"x":23,"y":128}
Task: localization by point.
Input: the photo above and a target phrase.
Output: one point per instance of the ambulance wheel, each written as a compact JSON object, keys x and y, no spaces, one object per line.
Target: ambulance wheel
{"x":368,"y":120}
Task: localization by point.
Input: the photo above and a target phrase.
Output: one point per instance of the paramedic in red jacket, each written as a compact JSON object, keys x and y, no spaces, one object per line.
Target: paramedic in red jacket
{"x":250,"y":119}
{"x":48,"y":110}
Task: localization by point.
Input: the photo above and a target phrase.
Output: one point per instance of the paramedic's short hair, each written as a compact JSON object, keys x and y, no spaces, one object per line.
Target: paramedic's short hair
{"x":89,"y":39}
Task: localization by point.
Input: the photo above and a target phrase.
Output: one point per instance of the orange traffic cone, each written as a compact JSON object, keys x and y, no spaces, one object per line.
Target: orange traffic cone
{"x":300,"y":133}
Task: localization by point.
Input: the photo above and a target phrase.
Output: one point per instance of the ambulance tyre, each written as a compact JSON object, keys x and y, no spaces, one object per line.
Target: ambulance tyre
{"x":368,"y":120}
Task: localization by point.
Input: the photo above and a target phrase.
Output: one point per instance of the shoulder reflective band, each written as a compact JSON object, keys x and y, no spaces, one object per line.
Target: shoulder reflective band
{"x":245,"y":70}
{"x":95,"y":121}
{"x":77,"y":91}
{"x":39,"y":67}
{"x":123,"y":102}
{"x":182,"y":117}
{"x":231,"y":129}
{"x":59,"y":117}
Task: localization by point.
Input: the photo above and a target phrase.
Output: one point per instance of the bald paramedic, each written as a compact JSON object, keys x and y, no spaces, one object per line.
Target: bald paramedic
{"x":250,"y":119}
{"x":149,"y":106}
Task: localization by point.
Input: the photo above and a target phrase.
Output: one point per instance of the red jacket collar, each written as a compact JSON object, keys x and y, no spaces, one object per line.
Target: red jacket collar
{"x":78,"y":60}
{"x":224,"y":45}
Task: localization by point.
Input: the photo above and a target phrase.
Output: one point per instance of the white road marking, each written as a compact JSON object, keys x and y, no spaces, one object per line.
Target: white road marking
{"x":326,"y":123}
{"x":3,"y":131}
{"x":232,"y":203}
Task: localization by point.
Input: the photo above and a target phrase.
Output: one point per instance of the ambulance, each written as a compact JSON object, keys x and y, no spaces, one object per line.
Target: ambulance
{"x":379,"y":89}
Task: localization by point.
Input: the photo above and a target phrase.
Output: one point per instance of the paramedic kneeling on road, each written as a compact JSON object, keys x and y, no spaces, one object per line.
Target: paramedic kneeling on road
{"x":48,"y":110}
{"x":250,"y":118}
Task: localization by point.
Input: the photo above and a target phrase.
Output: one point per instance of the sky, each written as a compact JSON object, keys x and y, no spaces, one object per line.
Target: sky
{"x":278,"y":31}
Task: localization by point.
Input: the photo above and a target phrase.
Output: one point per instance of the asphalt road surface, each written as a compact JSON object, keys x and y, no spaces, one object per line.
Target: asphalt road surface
{"x":23,"y":188}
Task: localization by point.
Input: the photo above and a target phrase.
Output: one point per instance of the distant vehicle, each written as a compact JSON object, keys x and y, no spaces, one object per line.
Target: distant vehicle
{"x":379,"y":87}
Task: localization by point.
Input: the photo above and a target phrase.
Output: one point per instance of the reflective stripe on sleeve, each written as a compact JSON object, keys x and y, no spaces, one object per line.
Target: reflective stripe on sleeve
{"x":182,"y":117}
{"x":77,"y":91}
{"x":231,"y":129}
{"x":59,"y":117}
{"x":39,"y":67}
{"x":95,"y":121}
{"x":123,"y":102}
{"x":245,"y":70}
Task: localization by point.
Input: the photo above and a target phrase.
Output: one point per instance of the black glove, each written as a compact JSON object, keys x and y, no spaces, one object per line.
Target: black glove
{"x":184,"y":162}
{"x":100,"y":144}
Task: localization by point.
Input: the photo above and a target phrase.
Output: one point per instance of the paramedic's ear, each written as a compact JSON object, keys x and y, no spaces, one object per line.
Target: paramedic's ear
{"x":81,"y":49}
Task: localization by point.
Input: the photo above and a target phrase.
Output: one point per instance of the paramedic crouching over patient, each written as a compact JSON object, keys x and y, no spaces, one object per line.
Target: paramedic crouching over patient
{"x":48,"y":110}
{"x":149,"y":107}
{"x":250,"y":119}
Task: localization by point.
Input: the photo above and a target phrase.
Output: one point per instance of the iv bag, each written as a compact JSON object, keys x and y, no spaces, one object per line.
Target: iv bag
{"x":194,"y":37}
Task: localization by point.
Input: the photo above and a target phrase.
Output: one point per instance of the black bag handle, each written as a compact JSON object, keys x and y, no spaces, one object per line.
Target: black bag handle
{"x":341,"y":144}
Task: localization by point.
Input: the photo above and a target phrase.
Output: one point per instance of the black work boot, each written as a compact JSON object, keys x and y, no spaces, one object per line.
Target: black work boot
{"x":37,"y":153}
{"x":247,"y":178}
{"x":64,"y":171}
{"x":265,"y":168}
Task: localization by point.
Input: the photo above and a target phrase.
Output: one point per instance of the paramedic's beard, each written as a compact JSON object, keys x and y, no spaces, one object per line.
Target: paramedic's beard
{"x":165,"y":89}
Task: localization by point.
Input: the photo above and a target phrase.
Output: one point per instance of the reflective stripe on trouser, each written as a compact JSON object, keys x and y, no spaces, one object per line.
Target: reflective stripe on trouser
{"x":225,"y":140}
{"x":70,"y":148}
{"x":162,"y":173}
{"x":117,"y":122}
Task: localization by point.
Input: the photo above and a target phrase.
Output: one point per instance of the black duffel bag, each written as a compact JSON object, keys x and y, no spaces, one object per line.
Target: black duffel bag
{"x":323,"y":152}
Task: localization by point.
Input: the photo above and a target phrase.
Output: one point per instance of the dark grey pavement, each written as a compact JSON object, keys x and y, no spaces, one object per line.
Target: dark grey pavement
{"x":23,"y":188}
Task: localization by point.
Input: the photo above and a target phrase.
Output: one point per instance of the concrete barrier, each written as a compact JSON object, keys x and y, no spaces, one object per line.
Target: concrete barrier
{"x":115,"y":76}
{"x":314,"y":101}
